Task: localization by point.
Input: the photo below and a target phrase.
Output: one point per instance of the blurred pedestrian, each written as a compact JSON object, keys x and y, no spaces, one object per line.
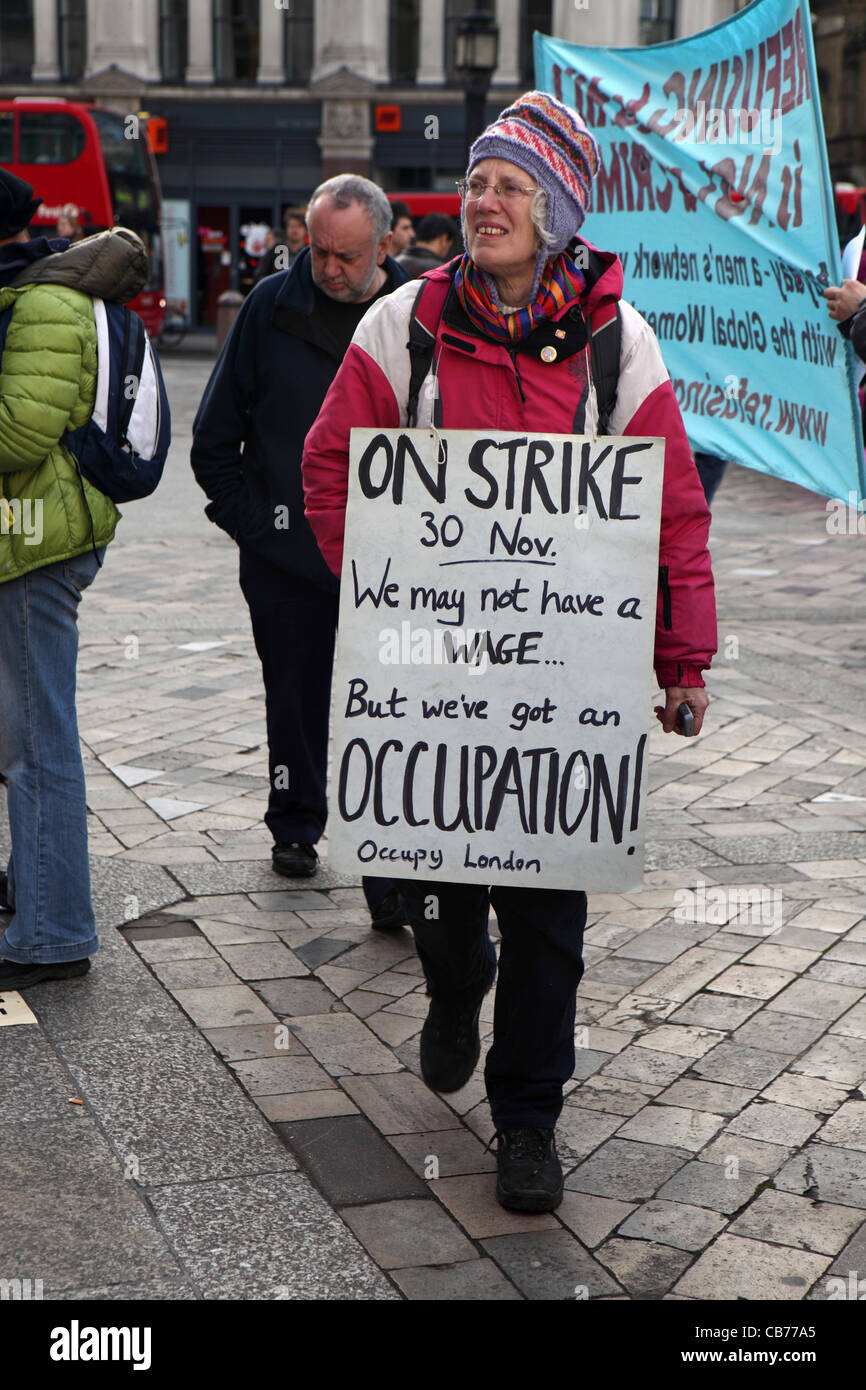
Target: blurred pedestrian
{"x":68,"y":225}
{"x":285,"y":250}
{"x":501,"y":363}
{"x":402,"y":228}
{"x":434,"y":243}
{"x":846,"y":304}
{"x":283,"y":352}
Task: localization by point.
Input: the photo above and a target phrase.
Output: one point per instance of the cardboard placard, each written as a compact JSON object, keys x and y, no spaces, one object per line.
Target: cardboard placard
{"x":495,"y":650}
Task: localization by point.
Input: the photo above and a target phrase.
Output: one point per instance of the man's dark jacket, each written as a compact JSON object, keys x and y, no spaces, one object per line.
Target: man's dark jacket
{"x":265,"y":391}
{"x":418,"y":259}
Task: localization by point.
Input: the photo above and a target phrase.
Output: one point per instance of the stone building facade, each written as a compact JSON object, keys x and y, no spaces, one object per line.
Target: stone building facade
{"x":264,"y":98}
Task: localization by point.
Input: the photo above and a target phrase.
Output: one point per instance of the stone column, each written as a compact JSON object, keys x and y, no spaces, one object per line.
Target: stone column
{"x":616,"y":25}
{"x":431,"y":43}
{"x":272,"y":20}
{"x":353,"y":36}
{"x":124,"y":36}
{"x":346,"y":140}
{"x":46,"y":67}
{"x":508,"y":18}
{"x":199,"y":41}
{"x":695,"y":15}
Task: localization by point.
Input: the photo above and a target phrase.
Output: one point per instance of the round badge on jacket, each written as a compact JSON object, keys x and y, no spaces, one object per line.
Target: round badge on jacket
{"x":548,"y":354}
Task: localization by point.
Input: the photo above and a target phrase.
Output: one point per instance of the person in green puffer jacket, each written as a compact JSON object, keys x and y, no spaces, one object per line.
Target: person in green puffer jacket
{"x":54,"y":527}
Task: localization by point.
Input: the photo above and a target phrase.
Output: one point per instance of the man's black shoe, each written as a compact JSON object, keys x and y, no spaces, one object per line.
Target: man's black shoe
{"x":530,"y":1173}
{"x":15,"y":976}
{"x":450,"y":1045}
{"x":389,"y":915}
{"x":294,"y":861}
{"x":5,"y":905}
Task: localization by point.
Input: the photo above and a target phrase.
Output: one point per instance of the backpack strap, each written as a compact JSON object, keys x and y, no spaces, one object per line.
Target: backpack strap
{"x":422,"y":342}
{"x":132,"y":362}
{"x":605,"y":347}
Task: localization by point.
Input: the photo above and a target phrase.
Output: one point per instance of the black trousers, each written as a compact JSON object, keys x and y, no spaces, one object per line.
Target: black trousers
{"x":294,"y":627}
{"x":540,"y":966}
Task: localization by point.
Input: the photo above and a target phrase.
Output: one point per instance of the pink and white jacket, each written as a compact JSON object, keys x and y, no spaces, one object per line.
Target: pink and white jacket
{"x":483,"y":386}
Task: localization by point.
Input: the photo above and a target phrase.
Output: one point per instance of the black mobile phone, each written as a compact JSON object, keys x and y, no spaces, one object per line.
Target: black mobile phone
{"x":685,"y":720}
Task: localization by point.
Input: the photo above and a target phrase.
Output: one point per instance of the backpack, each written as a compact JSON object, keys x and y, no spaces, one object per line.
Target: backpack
{"x":605,"y":341}
{"x":122,"y":448}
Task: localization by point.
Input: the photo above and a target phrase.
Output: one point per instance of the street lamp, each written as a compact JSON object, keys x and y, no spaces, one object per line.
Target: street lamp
{"x":476,"y":54}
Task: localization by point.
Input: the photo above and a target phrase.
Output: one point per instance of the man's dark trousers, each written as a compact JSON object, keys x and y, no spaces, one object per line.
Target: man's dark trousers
{"x":294,"y":625}
{"x":540,"y":966}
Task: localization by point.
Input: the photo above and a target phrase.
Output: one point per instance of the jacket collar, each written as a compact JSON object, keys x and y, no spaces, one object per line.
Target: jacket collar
{"x":18,"y":255}
{"x":295,"y":303}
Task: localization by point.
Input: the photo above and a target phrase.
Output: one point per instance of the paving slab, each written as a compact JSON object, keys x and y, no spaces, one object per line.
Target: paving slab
{"x":827,"y":1175}
{"x":404,"y":1234}
{"x":472,"y":1281}
{"x":785,"y":1219}
{"x":835,"y":1058}
{"x":740,"y":1066}
{"x":753,"y":1270}
{"x":550,"y":1266}
{"x":706,"y":1095}
{"x":627,"y":1170}
{"x":591,"y":1218}
{"x":172,"y":1109}
{"x":672,"y":1125}
{"x":400,"y":1103}
{"x":645,"y":1268}
{"x":720,"y":1187}
{"x":245,"y":1042}
{"x":266,"y":1236}
{"x":671,"y":1223}
{"x":54,"y":1174}
{"x":349,"y":1161}
{"x":343,"y":1045}
{"x":847,"y":1127}
{"x":775,"y":1124}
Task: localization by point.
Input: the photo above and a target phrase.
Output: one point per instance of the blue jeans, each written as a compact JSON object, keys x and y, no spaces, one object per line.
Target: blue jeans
{"x":49,"y":874}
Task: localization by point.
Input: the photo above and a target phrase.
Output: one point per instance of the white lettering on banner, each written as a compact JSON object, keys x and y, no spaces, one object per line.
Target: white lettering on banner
{"x":462,"y":560}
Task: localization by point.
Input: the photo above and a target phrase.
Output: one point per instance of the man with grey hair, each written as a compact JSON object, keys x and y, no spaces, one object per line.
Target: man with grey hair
{"x":265,"y":391}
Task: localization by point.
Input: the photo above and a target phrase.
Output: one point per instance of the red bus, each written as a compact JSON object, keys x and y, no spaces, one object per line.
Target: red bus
{"x":95,"y":163}
{"x":419,"y":204}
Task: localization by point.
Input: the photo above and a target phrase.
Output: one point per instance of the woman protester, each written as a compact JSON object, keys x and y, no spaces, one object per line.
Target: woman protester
{"x":512,"y":321}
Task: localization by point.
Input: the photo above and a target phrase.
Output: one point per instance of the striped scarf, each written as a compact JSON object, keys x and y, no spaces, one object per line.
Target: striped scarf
{"x":561,"y":282}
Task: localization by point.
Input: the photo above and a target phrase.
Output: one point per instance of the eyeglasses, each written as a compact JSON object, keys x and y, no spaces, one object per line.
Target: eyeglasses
{"x":473,"y":189}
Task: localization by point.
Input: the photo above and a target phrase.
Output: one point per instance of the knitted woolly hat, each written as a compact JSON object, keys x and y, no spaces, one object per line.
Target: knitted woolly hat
{"x":17,"y":204}
{"x":551,"y":142}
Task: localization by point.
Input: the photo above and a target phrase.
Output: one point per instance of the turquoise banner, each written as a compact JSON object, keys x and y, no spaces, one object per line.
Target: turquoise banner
{"x":715,"y":191}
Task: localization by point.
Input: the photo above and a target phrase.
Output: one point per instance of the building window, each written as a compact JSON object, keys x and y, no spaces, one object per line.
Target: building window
{"x":404,"y":26}
{"x":236,"y":40}
{"x":658,"y":20}
{"x":455,"y":10}
{"x":72,"y":39}
{"x":16,"y":38}
{"x":534,"y":14}
{"x":7,"y":135}
{"x":172,"y":39}
{"x":299,"y":42}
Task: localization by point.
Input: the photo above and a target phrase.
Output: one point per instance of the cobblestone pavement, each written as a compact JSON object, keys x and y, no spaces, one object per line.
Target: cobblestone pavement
{"x":714,"y":1133}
